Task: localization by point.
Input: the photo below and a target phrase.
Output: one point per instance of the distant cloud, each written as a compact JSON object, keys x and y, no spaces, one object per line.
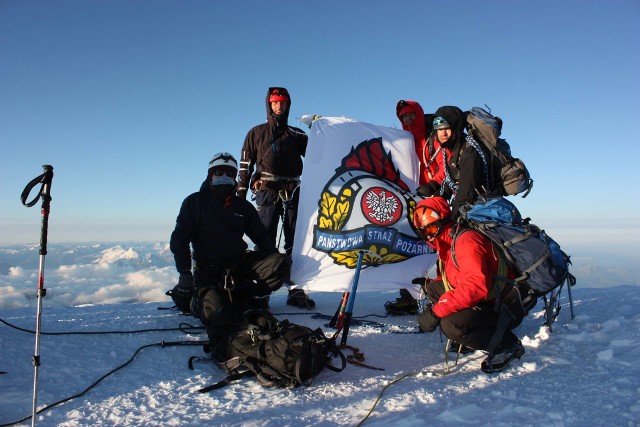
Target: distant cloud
{"x":77,"y":274}
{"x":16,"y":271}
{"x":100,"y":276}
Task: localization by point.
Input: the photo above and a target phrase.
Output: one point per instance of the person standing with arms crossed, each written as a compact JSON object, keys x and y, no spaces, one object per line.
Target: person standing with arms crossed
{"x":275,"y":150}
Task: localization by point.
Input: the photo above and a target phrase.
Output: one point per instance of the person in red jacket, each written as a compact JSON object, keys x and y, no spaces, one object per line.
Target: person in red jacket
{"x":427,"y":147}
{"x":464,"y":296}
{"x":413,"y":119}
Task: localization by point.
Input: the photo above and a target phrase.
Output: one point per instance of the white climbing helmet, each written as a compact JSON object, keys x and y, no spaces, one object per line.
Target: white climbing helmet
{"x":223,"y":159}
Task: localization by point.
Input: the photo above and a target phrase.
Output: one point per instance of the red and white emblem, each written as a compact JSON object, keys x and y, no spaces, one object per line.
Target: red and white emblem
{"x":381,"y":206}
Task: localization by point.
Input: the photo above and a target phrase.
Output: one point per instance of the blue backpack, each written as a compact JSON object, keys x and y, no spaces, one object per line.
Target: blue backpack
{"x":542,"y":267}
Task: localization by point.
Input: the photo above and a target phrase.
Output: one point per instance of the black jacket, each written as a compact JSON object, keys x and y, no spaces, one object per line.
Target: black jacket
{"x":464,"y":164}
{"x":273,"y":147}
{"x":215,"y":228}
{"x":467,"y":169}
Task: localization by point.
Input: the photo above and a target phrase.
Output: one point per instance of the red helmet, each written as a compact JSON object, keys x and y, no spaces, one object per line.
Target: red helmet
{"x":430,"y":216}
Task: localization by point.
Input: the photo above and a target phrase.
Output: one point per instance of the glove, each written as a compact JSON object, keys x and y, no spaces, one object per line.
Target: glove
{"x":185,"y":281}
{"x":429,"y":189}
{"x":182,"y":293}
{"x":427,"y":320}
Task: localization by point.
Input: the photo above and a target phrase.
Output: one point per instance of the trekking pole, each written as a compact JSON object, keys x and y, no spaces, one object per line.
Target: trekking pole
{"x":45,"y":192}
{"x":571,"y":281}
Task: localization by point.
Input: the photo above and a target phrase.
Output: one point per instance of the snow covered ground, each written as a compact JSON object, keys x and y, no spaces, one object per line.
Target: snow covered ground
{"x":585,"y":373}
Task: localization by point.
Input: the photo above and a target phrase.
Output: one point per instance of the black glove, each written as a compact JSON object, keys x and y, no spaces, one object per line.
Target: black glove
{"x":182,"y":293}
{"x":427,"y":320}
{"x":186,"y":281}
{"x":429,"y":189}
{"x":423,"y":282}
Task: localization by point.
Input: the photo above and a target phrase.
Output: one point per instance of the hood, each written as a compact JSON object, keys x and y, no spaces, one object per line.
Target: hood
{"x":455,"y":117}
{"x":418,"y":128}
{"x":272,"y":119}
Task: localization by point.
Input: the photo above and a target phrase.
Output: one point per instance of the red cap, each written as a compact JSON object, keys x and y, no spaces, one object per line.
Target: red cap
{"x":279,"y":95}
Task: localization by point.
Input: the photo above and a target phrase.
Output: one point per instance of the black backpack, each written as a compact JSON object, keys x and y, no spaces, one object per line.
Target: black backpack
{"x":510,"y":174}
{"x":277,"y":352}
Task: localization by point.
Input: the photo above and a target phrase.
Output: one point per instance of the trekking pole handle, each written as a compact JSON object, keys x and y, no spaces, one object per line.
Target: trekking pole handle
{"x":45,"y":191}
{"x":46,"y":180}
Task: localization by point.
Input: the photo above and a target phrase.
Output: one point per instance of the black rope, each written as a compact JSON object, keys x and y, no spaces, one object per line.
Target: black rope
{"x":183,"y":327}
{"x":195,"y":330}
{"x":162,"y":344}
{"x":186,"y":328}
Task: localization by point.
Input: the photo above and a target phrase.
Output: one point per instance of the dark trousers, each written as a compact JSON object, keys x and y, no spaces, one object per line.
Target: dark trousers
{"x":474,"y":327}
{"x":221,"y":303}
{"x":271,"y":209}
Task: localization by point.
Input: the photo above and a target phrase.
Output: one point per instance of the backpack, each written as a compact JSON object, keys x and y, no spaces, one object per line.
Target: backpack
{"x":542,"y":267}
{"x":277,"y":352}
{"x":511,"y":172}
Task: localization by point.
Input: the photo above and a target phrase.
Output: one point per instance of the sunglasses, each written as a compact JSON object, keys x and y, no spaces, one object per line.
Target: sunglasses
{"x":230,"y":172}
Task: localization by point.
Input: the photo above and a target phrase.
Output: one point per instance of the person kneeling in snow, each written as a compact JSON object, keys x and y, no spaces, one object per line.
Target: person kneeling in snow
{"x":228,"y":278}
{"x":464,"y":296}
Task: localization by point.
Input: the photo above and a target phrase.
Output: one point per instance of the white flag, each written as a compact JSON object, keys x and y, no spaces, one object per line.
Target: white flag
{"x":357,"y":195}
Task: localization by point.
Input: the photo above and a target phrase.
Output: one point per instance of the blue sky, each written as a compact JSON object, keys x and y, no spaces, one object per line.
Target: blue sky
{"x":128,"y":100}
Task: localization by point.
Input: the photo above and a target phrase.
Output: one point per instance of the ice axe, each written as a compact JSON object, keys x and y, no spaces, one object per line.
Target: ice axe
{"x":45,"y":192}
{"x":342,"y":319}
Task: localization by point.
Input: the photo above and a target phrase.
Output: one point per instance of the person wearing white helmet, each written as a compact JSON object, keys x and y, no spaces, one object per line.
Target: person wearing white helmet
{"x":227,"y":279}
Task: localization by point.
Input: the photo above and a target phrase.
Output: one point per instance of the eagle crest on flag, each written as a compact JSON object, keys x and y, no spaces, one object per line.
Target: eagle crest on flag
{"x":366,"y":206}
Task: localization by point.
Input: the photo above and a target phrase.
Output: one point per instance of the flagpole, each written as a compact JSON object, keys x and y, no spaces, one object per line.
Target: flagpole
{"x":351,"y":299}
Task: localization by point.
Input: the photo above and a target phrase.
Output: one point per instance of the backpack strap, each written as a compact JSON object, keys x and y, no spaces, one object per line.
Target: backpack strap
{"x":336,"y":352}
{"x":485,"y":162}
{"x":427,"y":163}
{"x":228,"y":380}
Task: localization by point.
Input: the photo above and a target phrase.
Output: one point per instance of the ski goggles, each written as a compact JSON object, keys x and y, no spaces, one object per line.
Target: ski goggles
{"x":225,"y":170}
{"x":428,"y":222}
{"x":440,"y":123}
{"x":431,"y":230}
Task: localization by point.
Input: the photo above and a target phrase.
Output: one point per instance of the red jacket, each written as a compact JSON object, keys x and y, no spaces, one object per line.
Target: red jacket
{"x":430,"y":163}
{"x":472,"y":276}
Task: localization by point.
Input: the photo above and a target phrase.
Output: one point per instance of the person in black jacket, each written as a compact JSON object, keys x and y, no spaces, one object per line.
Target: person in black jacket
{"x":276,"y":149}
{"x":228,"y":279}
{"x":467,"y":168}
